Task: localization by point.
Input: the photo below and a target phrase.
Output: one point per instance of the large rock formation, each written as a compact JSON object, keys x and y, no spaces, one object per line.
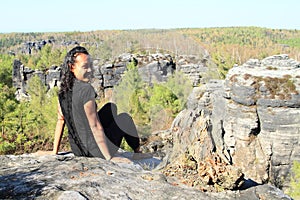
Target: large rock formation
{"x":22,"y":74}
{"x":262,"y":117}
{"x":249,"y":123}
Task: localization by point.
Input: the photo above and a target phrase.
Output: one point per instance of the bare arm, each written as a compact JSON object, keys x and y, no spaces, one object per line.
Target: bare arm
{"x":60,"y":124}
{"x":97,"y":129}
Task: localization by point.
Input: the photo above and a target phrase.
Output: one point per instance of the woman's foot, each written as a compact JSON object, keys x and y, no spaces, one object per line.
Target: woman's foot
{"x":138,"y":155}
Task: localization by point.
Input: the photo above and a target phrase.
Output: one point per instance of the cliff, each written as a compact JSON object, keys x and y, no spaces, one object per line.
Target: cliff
{"x":245,"y":126}
{"x":152,"y":68}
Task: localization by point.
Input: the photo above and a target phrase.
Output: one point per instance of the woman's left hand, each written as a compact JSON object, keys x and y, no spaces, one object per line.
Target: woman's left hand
{"x":43,"y":153}
{"x":119,"y":159}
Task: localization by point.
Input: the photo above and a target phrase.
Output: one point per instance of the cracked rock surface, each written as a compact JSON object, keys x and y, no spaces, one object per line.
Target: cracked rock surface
{"x":68,"y":177}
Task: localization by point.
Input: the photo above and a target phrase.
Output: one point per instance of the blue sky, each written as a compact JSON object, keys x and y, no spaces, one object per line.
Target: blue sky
{"x":89,"y":15}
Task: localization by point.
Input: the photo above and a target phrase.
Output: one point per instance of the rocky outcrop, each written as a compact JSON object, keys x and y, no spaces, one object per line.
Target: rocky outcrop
{"x":250,"y":121}
{"x":30,"y":46}
{"x":64,"y":177}
{"x":262,"y":119}
{"x":152,"y":68}
{"x":22,"y":74}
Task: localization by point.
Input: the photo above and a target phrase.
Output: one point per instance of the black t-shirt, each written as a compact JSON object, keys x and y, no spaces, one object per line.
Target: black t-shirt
{"x":80,"y":134}
{"x":82,"y":93}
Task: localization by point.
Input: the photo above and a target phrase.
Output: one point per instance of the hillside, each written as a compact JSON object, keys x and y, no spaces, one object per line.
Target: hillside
{"x":225,"y":46}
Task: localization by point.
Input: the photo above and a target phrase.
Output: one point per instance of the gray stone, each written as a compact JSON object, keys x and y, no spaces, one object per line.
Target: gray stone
{"x":68,"y":177}
{"x":253,"y":120}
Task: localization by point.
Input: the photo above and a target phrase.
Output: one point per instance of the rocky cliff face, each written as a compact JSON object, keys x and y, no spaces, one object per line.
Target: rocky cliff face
{"x":262,"y":127}
{"x":250,"y":121}
{"x":152,"y":68}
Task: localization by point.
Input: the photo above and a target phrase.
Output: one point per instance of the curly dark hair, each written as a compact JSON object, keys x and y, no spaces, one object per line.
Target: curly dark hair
{"x":65,"y":93}
{"x":67,"y":77}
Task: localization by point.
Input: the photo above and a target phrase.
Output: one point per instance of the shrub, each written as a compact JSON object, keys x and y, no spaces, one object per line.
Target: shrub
{"x":27,"y":126}
{"x":152,"y":107}
{"x":294,"y":190}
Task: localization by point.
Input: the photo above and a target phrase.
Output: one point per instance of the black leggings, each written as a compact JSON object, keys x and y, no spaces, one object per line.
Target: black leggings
{"x":118,"y":126}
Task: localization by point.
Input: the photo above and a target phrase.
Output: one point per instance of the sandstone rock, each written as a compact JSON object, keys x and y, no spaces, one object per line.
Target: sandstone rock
{"x":68,"y":177}
{"x":251,"y":121}
{"x":262,"y":120}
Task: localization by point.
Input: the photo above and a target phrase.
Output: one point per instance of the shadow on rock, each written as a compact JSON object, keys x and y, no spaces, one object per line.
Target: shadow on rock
{"x":21,"y":185}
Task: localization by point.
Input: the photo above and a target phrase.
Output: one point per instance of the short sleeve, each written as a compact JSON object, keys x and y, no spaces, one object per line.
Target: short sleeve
{"x":88,"y":93}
